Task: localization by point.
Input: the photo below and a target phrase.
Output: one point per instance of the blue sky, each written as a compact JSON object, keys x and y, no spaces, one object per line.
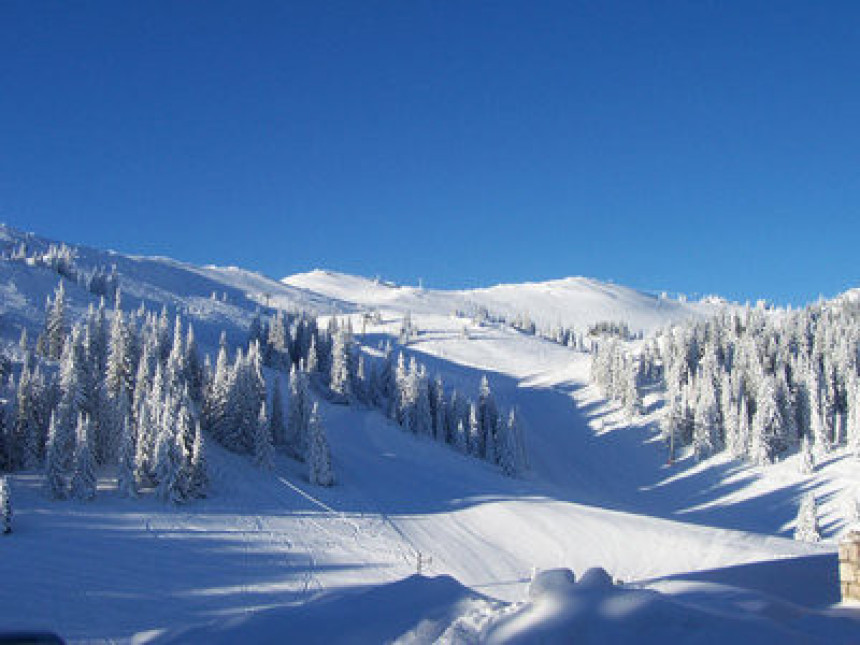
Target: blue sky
{"x":704,"y":147}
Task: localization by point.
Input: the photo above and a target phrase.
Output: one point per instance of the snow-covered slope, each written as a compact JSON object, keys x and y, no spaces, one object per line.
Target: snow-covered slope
{"x":267,"y":552}
{"x":213,"y":298}
{"x":572,"y":302}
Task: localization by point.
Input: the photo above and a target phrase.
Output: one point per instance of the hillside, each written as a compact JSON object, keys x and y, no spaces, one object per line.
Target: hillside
{"x":267,"y":552}
{"x":570,"y":302}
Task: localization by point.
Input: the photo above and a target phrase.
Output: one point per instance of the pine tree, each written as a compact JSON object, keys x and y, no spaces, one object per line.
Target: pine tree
{"x":706,"y":425}
{"x":767,"y":424}
{"x":199,"y":480}
{"x":56,"y":324}
{"x":120,"y":360}
{"x":341,"y":378}
{"x":298,"y":413}
{"x":171,"y":459}
{"x":84,"y":480}
{"x":806,"y":526}
{"x":475,"y":443}
{"x":313,"y":364}
{"x":319,"y":461}
{"x":263,"y":457}
{"x":488,"y":418}
{"x":126,"y":479}
{"x":5,"y":506}
{"x":59,"y":445}
{"x":422,"y":418}
{"x":217,"y":402}
{"x":440,"y":422}
{"x":194,"y":372}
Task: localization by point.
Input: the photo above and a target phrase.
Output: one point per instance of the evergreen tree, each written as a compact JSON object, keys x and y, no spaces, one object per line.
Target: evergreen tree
{"x":806,"y":526}
{"x":422,"y":418}
{"x":57,"y":469}
{"x":171,"y":459}
{"x":340,"y":378}
{"x":439,"y":409}
{"x":488,"y":419}
{"x":263,"y":451}
{"x":194,"y":371}
{"x":767,"y":424}
{"x":216,"y":406}
{"x":319,"y":460}
{"x":199,"y":480}
{"x":126,"y":478}
{"x":475,"y":442}
{"x":706,"y":426}
{"x":84,"y":480}
{"x":312,"y":365}
{"x":298,"y":413}
{"x":56,"y":326}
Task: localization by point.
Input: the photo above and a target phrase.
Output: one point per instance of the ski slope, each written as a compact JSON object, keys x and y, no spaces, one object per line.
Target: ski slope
{"x":572,"y":302}
{"x":268,"y":557}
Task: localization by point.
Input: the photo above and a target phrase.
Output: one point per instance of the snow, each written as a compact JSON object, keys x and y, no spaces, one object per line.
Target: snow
{"x":703,"y":549}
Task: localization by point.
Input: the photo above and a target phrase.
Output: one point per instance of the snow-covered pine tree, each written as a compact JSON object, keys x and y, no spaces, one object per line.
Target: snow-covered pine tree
{"x":400,"y":395}
{"x":440,"y":422}
{"x":340,"y":378}
{"x":59,"y":446}
{"x":706,"y":423}
{"x":199,"y":480}
{"x":216,"y":405}
{"x":312,"y":365}
{"x":5,"y":506}
{"x":84,"y":479}
{"x":767,"y":425}
{"x":126,"y":479}
{"x":474,"y":432}
{"x":488,"y":419}
{"x":298,"y":414}
{"x":360,"y":382}
{"x":171,"y":460}
{"x":121,"y":366}
{"x":806,"y":526}
{"x":26,"y":427}
{"x":319,"y":460}
{"x":56,"y":326}
{"x":263,"y":450}
{"x":422,"y":418}
{"x":194,"y":372}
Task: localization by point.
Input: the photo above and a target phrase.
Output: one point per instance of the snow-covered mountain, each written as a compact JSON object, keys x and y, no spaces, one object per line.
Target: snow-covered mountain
{"x":703,"y":549}
{"x":571,"y":302}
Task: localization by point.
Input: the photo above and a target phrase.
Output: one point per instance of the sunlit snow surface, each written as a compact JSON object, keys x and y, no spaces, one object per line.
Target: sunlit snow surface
{"x":702,"y":549}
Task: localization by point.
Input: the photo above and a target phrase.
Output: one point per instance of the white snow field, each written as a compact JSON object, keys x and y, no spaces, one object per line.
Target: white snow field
{"x":702,"y":552}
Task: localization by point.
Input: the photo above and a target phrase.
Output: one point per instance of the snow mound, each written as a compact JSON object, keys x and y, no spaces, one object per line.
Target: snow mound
{"x":597,"y":611}
{"x":416,"y":609}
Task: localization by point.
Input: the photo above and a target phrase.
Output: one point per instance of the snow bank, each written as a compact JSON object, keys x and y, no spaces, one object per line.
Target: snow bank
{"x":415,"y":609}
{"x":559,"y":610}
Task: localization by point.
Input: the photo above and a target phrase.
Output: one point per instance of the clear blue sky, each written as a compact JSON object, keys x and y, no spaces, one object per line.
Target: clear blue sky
{"x":705,"y":147}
